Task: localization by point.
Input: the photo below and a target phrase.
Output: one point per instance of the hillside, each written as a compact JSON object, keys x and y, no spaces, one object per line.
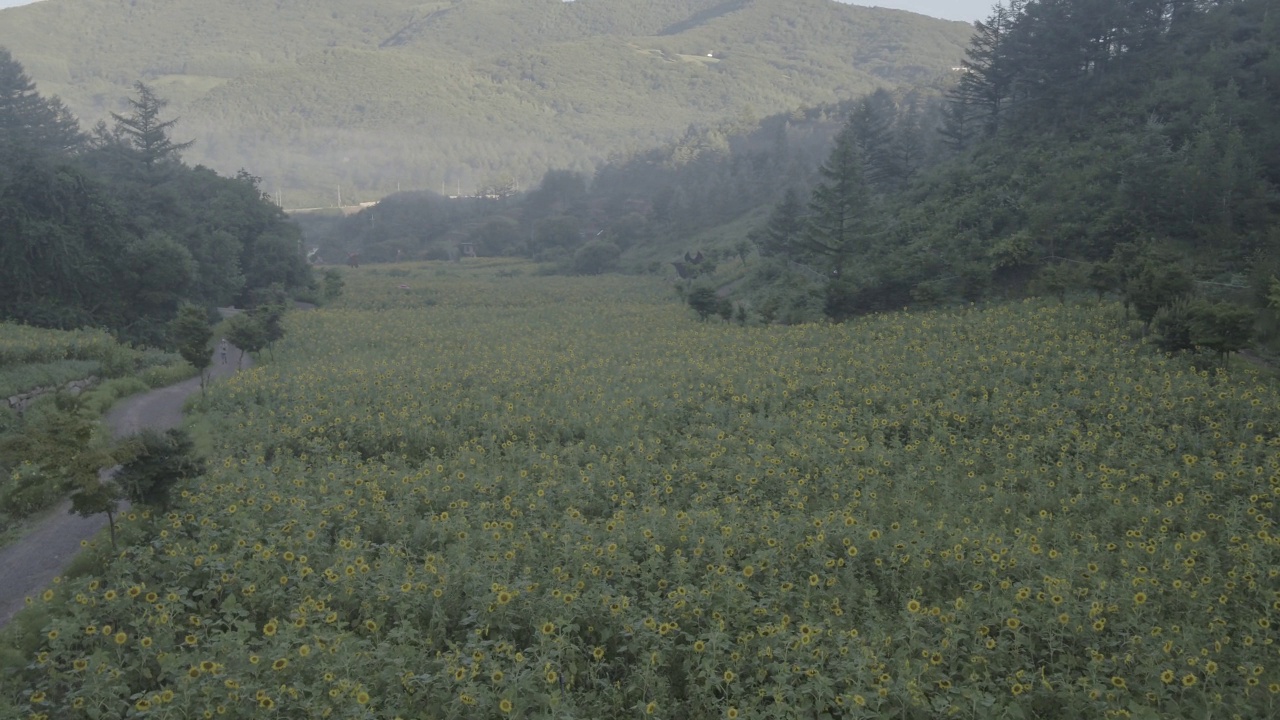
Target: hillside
{"x":396,"y":94}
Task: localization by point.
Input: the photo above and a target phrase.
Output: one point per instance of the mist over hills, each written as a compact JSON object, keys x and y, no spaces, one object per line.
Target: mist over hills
{"x":317,"y":95}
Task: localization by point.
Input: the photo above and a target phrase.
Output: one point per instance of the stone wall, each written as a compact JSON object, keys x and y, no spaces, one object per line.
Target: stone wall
{"x":21,"y":401}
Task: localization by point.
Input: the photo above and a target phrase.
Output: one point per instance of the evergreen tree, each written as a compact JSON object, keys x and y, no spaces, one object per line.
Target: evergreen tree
{"x":872,"y":126}
{"x":1222,"y":327}
{"x":958,"y":126}
{"x":62,"y":244}
{"x":785,"y":227}
{"x":148,"y":135}
{"x":1159,"y":281}
{"x":29,"y":123}
{"x":840,"y":206}
{"x":987,"y":74}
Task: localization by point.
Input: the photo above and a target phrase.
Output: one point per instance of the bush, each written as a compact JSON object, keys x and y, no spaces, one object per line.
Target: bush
{"x":705,"y":302}
{"x":14,"y":380}
{"x":158,"y":460}
{"x":164,"y":375}
{"x":1222,"y":327}
{"x":596,"y":257}
{"x":27,"y":489}
{"x":101,"y":398}
{"x":1171,"y":325}
{"x":1190,"y":323}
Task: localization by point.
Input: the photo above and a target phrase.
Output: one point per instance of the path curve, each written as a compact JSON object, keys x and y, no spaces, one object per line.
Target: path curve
{"x":30,"y":564}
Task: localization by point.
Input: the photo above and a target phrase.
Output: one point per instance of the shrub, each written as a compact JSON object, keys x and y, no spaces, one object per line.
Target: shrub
{"x":156,"y":460}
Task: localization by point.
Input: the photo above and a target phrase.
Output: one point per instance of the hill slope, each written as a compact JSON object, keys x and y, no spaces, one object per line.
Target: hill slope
{"x":390,"y":93}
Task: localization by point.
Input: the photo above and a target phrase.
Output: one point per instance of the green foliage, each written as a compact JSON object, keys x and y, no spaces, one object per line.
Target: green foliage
{"x":20,"y":378}
{"x":164,"y":375}
{"x":117,"y":232}
{"x":27,"y":490}
{"x":1171,"y":325}
{"x":91,"y":496}
{"x":1146,"y":170}
{"x":248,"y":333}
{"x":47,"y":204}
{"x":54,"y":454}
{"x":1222,"y":327}
{"x":1158,"y":282}
{"x":556,"y":237}
{"x":147,"y":136}
{"x":191,"y":333}
{"x":497,"y":236}
{"x":100,"y":399}
{"x":840,"y":205}
{"x":152,"y":463}
{"x":782,"y":234}
{"x":157,"y":273}
{"x":1189,"y":323}
{"x":706,"y":302}
{"x":332,"y":284}
{"x":36,"y":357}
{"x":47,"y":451}
{"x":1059,"y":279}
{"x":29,"y":124}
{"x":596,"y":257}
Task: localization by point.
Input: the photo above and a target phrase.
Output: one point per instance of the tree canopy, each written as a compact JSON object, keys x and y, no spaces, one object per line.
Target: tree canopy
{"x":112,"y":229}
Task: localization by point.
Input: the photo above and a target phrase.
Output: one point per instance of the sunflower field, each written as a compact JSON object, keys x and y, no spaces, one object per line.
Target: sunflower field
{"x":462,"y":492}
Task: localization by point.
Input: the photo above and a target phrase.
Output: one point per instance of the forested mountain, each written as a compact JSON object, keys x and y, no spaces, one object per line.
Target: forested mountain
{"x":378,"y":95}
{"x":646,"y":203}
{"x":1119,"y":147}
{"x":1123,"y":147}
{"x":112,"y":229}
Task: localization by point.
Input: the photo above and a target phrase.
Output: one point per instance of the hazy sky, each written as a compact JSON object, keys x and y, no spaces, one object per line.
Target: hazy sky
{"x":950,"y":9}
{"x":967,"y":10}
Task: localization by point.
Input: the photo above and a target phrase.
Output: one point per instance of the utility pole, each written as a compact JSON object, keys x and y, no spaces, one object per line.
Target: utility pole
{"x":339,"y":194}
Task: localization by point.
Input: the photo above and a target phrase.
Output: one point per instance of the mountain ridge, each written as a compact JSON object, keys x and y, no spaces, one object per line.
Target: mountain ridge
{"x":289,"y":89}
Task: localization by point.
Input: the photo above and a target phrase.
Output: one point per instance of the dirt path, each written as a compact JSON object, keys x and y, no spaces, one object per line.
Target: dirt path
{"x":30,"y":564}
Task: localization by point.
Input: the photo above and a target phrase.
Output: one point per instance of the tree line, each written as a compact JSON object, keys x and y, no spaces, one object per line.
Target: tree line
{"x":110,"y":228}
{"x":1125,"y":147}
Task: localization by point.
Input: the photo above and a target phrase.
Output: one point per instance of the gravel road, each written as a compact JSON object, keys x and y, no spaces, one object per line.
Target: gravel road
{"x":30,"y":564}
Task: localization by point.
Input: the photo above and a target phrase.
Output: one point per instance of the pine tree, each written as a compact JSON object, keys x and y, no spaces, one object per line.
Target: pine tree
{"x":872,"y":124}
{"x":30,"y":124}
{"x":986,"y":82}
{"x":785,"y":226}
{"x":840,"y":205}
{"x":146,"y":133}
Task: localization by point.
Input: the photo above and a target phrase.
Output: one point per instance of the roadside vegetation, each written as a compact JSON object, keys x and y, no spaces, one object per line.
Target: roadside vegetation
{"x":41,"y":432}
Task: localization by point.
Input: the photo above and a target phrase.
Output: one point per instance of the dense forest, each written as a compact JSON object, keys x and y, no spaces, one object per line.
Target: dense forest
{"x":112,"y":229}
{"x":377,"y":96}
{"x":1119,"y":147}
